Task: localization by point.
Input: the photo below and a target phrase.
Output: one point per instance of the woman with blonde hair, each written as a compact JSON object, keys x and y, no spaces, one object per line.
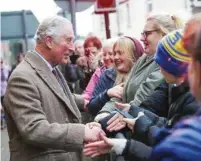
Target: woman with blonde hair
{"x":126,"y":51}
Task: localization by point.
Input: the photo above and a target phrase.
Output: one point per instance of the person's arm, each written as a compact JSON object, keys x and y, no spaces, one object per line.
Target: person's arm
{"x":146,"y":126}
{"x":91,"y":85}
{"x":106,"y":109}
{"x":135,"y":150}
{"x":157,"y":102}
{"x":99,"y":96}
{"x":80,"y":102}
{"x":147,"y":87}
{"x":130,"y":149}
{"x":182,"y":143}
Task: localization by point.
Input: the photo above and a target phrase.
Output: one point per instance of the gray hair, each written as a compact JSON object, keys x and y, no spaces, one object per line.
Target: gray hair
{"x":166,"y":22}
{"x":51,"y":26}
{"x":78,"y":42}
{"x":109,"y":42}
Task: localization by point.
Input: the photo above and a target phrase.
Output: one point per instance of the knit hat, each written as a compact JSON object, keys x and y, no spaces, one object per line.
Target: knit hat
{"x":171,"y":55}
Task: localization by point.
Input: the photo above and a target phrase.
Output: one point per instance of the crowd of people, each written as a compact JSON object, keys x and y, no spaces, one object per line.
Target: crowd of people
{"x":148,"y":93}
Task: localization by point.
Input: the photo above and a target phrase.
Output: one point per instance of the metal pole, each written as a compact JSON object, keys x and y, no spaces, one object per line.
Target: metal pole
{"x":73,"y":16}
{"x":25,"y":29}
{"x":118,"y":23}
{"x":107,"y":25}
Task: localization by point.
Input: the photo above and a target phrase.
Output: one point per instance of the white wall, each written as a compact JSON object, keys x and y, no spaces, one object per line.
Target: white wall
{"x":138,"y":14}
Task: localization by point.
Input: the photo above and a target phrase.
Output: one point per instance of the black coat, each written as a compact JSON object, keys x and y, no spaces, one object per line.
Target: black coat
{"x":180,"y":103}
{"x":166,"y":106}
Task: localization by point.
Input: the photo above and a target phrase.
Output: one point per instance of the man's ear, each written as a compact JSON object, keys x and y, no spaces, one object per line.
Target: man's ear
{"x":49,"y":41}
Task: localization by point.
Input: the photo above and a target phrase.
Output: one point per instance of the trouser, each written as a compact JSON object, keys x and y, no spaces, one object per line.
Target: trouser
{"x":3,"y":124}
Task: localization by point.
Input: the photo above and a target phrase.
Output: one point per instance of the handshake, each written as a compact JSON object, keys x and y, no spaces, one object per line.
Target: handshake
{"x":95,"y":141}
{"x":93,"y":132}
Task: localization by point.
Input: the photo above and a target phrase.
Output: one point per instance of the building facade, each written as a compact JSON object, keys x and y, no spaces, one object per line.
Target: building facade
{"x":131,"y":16}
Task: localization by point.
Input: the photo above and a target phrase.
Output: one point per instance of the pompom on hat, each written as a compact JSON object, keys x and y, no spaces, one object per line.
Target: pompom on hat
{"x":171,"y":54}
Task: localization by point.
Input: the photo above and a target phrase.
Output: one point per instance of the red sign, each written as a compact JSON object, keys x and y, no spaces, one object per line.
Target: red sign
{"x":105,"y":5}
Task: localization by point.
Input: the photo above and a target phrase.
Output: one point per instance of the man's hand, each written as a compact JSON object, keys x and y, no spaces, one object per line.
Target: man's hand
{"x":92,"y":132}
{"x":116,"y":123}
{"x":93,"y":124}
{"x":99,"y":147}
{"x":116,"y":91}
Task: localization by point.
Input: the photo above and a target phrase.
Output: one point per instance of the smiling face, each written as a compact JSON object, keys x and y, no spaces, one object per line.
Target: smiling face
{"x":122,"y":58}
{"x":108,"y":57}
{"x":150,"y":37}
{"x":61,"y":45}
{"x":79,"y":49}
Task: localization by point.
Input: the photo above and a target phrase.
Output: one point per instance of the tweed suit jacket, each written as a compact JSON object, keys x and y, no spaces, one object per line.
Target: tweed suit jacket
{"x":43,"y":119}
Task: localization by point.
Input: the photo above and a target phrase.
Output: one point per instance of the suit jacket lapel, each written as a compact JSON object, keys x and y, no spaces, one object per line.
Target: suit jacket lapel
{"x":68,"y":94}
{"x":48,"y":77}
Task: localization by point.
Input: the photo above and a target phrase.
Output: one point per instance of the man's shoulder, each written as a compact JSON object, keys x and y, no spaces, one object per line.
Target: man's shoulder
{"x":23,"y":70}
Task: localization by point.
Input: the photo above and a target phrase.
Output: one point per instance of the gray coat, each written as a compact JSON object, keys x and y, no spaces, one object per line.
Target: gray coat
{"x":144,"y":77}
{"x":43,"y":120}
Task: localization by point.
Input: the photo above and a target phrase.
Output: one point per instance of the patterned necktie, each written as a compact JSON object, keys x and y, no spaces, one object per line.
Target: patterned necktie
{"x":54,"y":71}
{"x":3,"y":77}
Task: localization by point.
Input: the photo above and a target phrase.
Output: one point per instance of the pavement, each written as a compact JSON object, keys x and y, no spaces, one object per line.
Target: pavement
{"x":5,"y":155}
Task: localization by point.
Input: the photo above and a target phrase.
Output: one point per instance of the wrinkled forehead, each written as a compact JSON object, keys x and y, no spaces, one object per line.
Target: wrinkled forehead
{"x":67,"y":31}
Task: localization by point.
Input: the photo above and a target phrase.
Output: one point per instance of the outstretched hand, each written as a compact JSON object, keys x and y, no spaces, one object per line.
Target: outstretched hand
{"x":116,"y":123}
{"x":99,"y":147}
{"x":131,"y":122}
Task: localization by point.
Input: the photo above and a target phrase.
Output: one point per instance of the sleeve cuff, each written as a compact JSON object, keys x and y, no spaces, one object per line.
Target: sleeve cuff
{"x":104,"y":96}
{"x":75,"y":135}
{"x":126,"y":149}
{"x":119,"y":145}
{"x":79,"y":100}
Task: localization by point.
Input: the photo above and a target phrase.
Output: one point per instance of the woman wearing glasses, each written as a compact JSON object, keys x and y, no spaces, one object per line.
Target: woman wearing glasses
{"x":146,"y":75}
{"x":185,"y":137}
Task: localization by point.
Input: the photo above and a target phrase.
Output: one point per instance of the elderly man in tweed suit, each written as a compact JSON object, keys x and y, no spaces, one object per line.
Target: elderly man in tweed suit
{"x":42,"y":115}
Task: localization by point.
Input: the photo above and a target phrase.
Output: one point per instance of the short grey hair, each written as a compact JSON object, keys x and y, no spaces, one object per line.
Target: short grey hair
{"x":78,"y":42}
{"x":109,"y":42}
{"x":51,"y":26}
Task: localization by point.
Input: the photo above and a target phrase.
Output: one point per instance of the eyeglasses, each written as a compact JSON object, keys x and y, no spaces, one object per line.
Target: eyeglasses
{"x":145,"y":34}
